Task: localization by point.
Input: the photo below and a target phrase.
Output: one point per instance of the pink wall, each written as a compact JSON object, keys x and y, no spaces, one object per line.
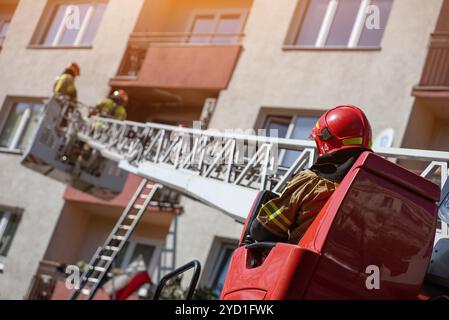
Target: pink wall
{"x":121,"y":200}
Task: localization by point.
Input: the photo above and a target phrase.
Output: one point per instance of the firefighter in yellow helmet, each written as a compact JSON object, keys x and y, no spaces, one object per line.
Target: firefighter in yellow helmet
{"x":65,"y":83}
{"x":113,"y":107}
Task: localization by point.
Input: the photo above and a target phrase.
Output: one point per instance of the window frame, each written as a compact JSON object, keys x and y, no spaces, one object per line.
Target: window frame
{"x":5,"y":215}
{"x":216,"y":270}
{"x":5,"y":111}
{"x":2,"y":23}
{"x":216,"y":13}
{"x":132,"y":243}
{"x":266,"y":114}
{"x":46,"y":21}
{"x":320,"y":44}
{"x":290,"y":130}
{"x":215,"y":259}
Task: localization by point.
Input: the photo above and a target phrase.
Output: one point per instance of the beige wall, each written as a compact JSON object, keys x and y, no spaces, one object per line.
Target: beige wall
{"x":69,"y":235}
{"x":440,"y":135}
{"x":420,"y":127}
{"x":31,"y":72}
{"x":428,"y":125}
{"x":197,"y":229}
{"x":41,"y":200}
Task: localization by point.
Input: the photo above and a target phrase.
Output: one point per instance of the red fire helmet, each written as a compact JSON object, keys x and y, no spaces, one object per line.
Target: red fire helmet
{"x":75,"y":68}
{"x":342,"y":127}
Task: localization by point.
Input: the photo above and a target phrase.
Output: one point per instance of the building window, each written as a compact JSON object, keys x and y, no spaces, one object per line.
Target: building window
{"x":220,"y":27}
{"x":73,"y":23}
{"x":221,"y":257}
{"x":134,"y":250}
{"x":341,"y":23}
{"x":9,"y":221}
{"x":4,"y":25}
{"x":20,"y":125}
{"x":290,"y":127}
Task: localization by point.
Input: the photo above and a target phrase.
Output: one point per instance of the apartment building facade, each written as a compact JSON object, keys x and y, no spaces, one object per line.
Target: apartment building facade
{"x":245,"y":64}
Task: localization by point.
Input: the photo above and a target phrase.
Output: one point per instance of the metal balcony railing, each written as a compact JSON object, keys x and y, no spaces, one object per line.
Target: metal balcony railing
{"x":436,"y":69}
{"x":186,"y":38}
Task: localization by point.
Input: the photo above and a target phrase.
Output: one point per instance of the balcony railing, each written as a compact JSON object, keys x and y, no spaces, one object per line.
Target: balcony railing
{"x":44,"y":282}
{"x":436,"y":70}
{"x":186,"y":38}
{"x":139,"y":43}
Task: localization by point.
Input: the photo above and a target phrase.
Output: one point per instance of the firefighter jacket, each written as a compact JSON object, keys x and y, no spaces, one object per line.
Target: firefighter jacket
{"x":109,"y":109}
{"x":288,"y":217}
{"x":65,"y":85}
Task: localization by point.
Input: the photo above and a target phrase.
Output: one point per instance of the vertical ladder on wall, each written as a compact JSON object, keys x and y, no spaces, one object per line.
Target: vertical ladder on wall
{"x":167,"y":260}
{"x":104,"y":257}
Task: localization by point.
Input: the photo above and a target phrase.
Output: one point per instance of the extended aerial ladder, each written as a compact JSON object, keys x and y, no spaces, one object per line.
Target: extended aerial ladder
{"x":224,"y":170}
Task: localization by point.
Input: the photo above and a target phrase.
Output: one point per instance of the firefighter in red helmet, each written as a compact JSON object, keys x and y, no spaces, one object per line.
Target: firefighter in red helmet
{"x":65,"y":83}
{"x":342,"y":134}
{"x":113,"y":107}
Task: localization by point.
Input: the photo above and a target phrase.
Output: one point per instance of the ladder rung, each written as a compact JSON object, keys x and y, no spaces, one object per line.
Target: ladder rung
{"x":150,"y":186}
{"x":120,"y":238}
{"x":85,"y":292}
{"x":93,"y":280}
{"x":125,"y":227}
{"x":100,"y":269}
{"x":138,"y":206}
{"x":132,"y":217}
{"x":105,"y":258}
{"x":111,"y":248}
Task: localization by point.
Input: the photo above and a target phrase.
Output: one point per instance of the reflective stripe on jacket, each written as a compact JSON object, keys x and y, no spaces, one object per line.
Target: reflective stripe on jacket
{"x":291,"y":214}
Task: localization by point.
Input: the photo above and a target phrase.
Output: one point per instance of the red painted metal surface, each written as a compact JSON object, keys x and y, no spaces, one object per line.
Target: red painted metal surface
{"x":382,"y":215}
{"x":283,"y":275}
{"x":185,"y":67}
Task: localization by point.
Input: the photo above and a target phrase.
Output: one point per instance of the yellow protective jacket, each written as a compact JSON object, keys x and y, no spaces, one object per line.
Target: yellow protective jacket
{"x":291,"y":214}
{"x":109,"y":109}
{"x":287,"y":217}
{"x":65,"y":85}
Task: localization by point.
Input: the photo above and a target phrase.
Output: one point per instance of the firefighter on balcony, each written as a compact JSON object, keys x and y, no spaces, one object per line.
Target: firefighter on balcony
{"x":113,"y":107}
{"x":342,"y":134}
{"x":65,"y":83}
